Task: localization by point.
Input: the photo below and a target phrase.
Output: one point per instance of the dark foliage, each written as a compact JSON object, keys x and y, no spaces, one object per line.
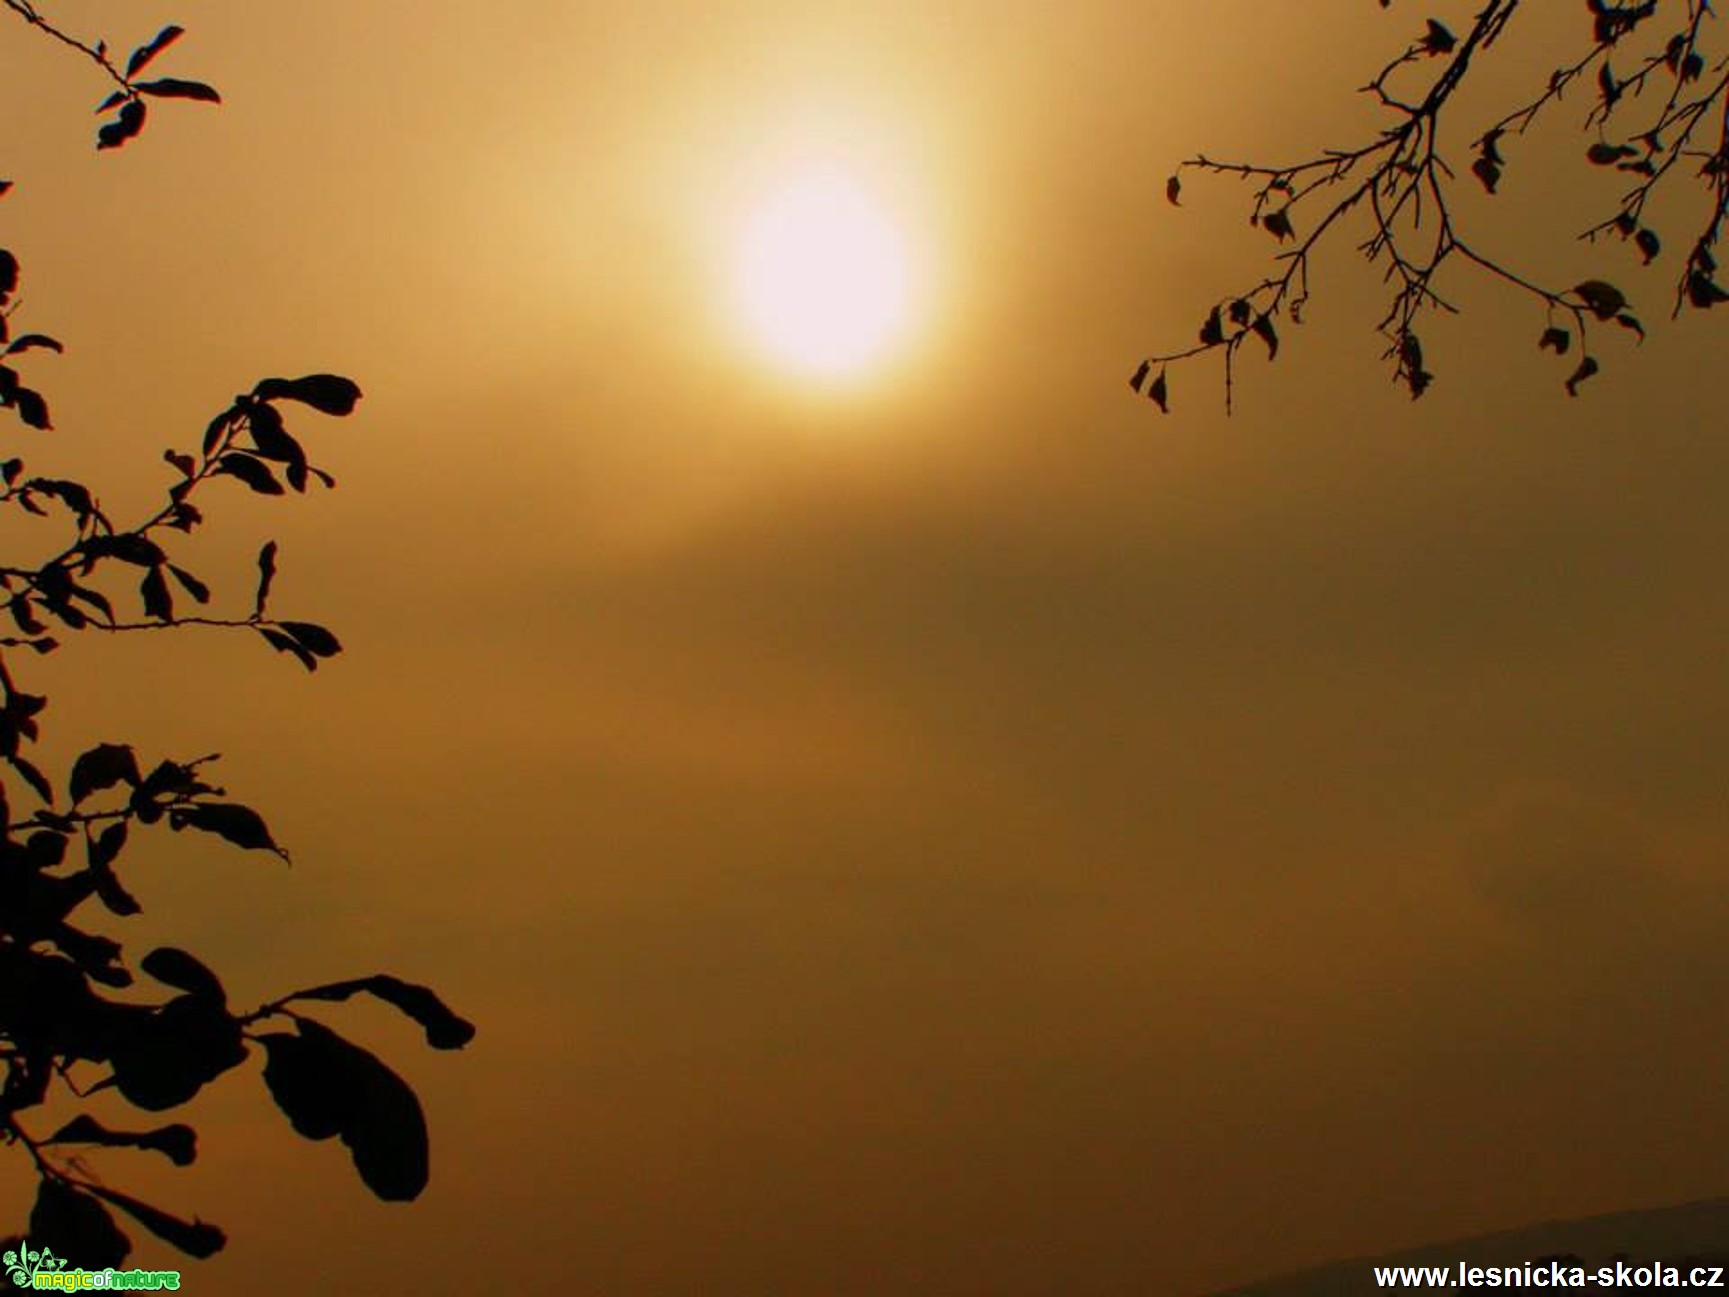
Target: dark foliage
{"x":1654,"y":92}
{"x":61,"y":839}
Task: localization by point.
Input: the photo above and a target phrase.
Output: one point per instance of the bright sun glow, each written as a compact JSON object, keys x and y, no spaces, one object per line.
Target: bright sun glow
{"x":824,"y":275}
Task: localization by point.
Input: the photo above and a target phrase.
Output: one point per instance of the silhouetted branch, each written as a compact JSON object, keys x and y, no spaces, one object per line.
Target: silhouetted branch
{"x":1404,"y":181}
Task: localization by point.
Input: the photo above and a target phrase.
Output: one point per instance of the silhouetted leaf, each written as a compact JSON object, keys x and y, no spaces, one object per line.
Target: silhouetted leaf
{"x":1703,"y":291}
{"x":1174,"y":191}
{"x":1606,"y":155}
{"x":266,"y":574}
{"x":241,"y":825}
{"x":195,"y":1238}
{"x":1627,"y":321}
{"x":1278,"y":224}
{"x":153,"y":590}
{"x":175,"y":1050}
{"x":288,"y":644}
{"x":174,"y":967}
{"x":151,"y":48}
{"x":251,"y":471}
{"x":104,"y":848}
{"x":1555,"y":339}
{"x":29,"y":341}
{"x":126,"y":124}
{"x":1649,"y":244}
{"x":1160,"y":393}
{"x":101,"y":767}
{"x":1263,"y":327}
{"x":8,"y":274}
{"x":327,"y":1085}
{"x":444,"y":1029}
{"x":309,"y":1091}
{"x":191,"y":584}
{"x":1140,"y":376}
{"x":217,"y":429}
{"x":1213,"y":330}
{"x":179,"y":1143}
{"x":128,"y":547}
{"x":329,"y":393}
{"x":1603,"y":300}
{"x":315,"y":639}
{"x":32,"y":409}
{"x":269,"y":437}
{"x":1437,"y":39}
{"x":1587,"y":367}
{"x":174,"y":88}
{"x":74,"y":1224}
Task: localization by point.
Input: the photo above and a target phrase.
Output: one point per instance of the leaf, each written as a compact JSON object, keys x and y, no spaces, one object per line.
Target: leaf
{"x":32,"y":409}
{"x":444,"y":1029}
{"x":179,"y":1143}
{"x":1607,"y":155}
{"x":150,"y":49}
{"x":1607,"y":86}
{"x":29,"y":341}
{"x":1488,"y":171}
{"x":329,"y":393}
{"x":1437,"y":39}
{"x":153,"y":590}
{"x":288,"y":644}
{"x":174,"y":967}
{"x":1140,"y":376}
{"x":195,"y":1238}
{"x":251,"y":471}
{"x":102,"y":767}
{"x":218,"y":427}
{"x":1604,"y":300}
{"x":314,"y":638}
{"x":1213,"y":331}
{"x":269,"y":437}
{"x":128,"y":547}
{"x":306,"y":1089}
{"x":173,"y":1051}
{"x":1649,"y":244}
{"x":1174,"y":191}
{"x":77,"y":1225}
{"x":329,"y":1086}
{"x":1278,"y":224}
{"x":1587,"y":367}
{"x":241,"y":825}
{"x":104,"y":849}
{"x":1628,"y":321}
{"x":1263,"y":328}
{"x":266,"y":574}
{"x":1556,"y":339}
{"x":174,"y":88}
{"x":129,"y":121}
{"x":1703,"y":291}
{"x":1160,"y":393}
{"x":191,"y":584}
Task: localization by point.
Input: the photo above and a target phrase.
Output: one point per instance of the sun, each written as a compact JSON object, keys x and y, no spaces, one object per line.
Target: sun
{"x":824,"y":275}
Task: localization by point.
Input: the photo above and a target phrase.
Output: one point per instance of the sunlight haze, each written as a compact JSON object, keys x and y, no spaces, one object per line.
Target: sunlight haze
{"x":908,"y":819}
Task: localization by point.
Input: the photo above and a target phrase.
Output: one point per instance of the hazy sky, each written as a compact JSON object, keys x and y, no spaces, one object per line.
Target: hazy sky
{"x":957,"y":834}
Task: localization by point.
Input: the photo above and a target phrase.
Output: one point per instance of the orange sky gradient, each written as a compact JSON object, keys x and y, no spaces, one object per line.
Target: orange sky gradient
{"x":962,"y":833}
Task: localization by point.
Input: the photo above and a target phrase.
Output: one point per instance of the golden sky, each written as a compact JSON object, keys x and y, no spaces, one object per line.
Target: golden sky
{"x":957,"y":833}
